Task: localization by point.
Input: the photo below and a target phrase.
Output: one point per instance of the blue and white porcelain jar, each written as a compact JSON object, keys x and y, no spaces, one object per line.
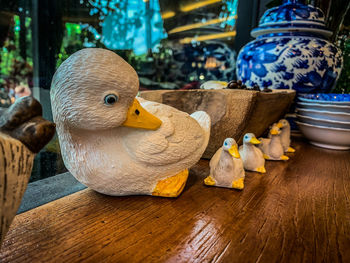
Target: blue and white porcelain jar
{"x":291,"y":51}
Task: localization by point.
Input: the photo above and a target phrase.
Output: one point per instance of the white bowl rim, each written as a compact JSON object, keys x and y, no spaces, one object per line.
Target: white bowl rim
{"x":334,"y":102}
{"x":322,"y":127}
{"x":324,"y":112}
{"x":323,"y":120}
{"x":325,"y":105}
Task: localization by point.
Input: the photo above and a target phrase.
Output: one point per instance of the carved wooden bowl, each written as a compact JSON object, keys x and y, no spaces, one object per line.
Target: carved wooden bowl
{"x":233,"y":112}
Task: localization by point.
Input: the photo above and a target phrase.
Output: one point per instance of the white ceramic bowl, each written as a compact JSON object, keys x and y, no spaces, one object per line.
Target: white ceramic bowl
{"x":324,"y":107}
{"x":328,"y":115}
{"x":341,"y":103}
{"x":323,"y":122}
{"x":325,"y":137}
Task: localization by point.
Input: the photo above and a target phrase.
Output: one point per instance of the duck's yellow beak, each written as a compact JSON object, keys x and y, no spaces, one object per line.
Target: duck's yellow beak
{"x":254,"y":140}
{"x":234,"y":151}
{"x":279,"y":125}
{"x":138,"y":117}
{"x":274,"y":132}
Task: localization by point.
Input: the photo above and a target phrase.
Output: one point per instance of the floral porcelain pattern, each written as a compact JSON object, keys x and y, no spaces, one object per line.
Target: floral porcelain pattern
{"x":292,"y":12}
{"x":291,"y":51}
{"x":302,"y":63}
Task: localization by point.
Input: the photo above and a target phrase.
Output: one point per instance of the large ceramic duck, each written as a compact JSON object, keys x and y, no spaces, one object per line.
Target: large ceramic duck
{"x":284,"y":125}
{"x":226,"y":167}
{"x":115,"y":143}
{"x":272,"y":147}
{"x":252,"y":156}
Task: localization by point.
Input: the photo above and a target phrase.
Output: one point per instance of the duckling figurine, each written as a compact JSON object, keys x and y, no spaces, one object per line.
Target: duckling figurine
{"x":253,"y":159}
{"x":284,"y":125}
{"x":115,"y":143}
{"x":226,"y":167}
{"x":272,"y":148}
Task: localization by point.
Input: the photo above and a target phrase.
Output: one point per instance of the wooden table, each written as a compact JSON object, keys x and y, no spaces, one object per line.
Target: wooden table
{"x":298,"y":212}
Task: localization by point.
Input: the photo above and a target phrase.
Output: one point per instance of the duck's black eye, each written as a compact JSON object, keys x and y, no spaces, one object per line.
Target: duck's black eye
{"x":110,"y":99}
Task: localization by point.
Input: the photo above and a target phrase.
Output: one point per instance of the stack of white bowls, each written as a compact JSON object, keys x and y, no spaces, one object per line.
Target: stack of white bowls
{"x":324,"y":119}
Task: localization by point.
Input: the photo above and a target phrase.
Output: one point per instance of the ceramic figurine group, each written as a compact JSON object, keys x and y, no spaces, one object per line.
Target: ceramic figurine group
{"x":118,"y":144}
{"x":228,"y":163}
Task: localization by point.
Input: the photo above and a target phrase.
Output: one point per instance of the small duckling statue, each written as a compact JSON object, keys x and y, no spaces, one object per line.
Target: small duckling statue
{"x":253,"y":159}
{"x":284,"y":125}
{"x":226,"y":167}
{"x":272,"y":147}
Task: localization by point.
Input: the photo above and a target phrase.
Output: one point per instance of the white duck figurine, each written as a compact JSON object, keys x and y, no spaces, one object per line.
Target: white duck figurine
{"x":226,"y":167}
{"x":253,"y":159}
{"x":117,"y":144}
{"x":272,"y":147}
{"x":284,"y":125}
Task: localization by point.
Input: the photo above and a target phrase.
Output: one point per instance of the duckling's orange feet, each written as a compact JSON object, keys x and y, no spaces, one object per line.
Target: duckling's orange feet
{"x":290,"y":150}
{"x":209,"y":181}
{"x":238,"y":184}
{"x":171,"y":186}
{"x":284,"y":158}
{"x":261,"y":170}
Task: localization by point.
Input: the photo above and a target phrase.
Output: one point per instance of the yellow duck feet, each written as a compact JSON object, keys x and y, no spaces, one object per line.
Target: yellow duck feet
{"x":266,"y":157}
{"x":290,"y":150}
{"x":209,"y":181}
{"x":239,"y":184}
{"x":261,"y":170}
{"x":171,"y":186}
{"x":284,"y":158}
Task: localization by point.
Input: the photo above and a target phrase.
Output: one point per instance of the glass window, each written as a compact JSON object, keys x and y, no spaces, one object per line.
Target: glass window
{"x":171,"y":44}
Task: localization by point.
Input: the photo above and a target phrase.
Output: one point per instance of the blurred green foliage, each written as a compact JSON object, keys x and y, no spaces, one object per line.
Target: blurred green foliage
{"x":10,"y":52}
{"x":76,"y":37}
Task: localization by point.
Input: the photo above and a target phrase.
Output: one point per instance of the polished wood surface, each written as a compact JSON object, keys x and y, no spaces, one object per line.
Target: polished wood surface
{"x":298,"y":212}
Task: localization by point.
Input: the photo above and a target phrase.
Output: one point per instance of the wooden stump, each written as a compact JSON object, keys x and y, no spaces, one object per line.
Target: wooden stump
{"x":16,"y":163}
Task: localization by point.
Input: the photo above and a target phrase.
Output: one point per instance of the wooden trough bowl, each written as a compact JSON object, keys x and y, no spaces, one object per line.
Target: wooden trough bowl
{"x":233,"y":112}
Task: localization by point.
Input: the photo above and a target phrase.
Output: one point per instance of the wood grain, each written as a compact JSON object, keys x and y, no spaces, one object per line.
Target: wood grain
{"x":298,"y":212}
{"x":16,"y":163}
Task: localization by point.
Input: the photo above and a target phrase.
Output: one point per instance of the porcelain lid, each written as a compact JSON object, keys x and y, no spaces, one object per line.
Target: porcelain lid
{"x":292,"y":15}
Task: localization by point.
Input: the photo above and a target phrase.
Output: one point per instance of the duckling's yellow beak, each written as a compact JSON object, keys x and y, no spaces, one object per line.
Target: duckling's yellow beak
{"x":234,"y":151}
{"x":223,"y":83}
{"x":138,"y":117}
{"x":274,"y":132}
{"x":279,"y":125}
{"x":254,"y":140}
